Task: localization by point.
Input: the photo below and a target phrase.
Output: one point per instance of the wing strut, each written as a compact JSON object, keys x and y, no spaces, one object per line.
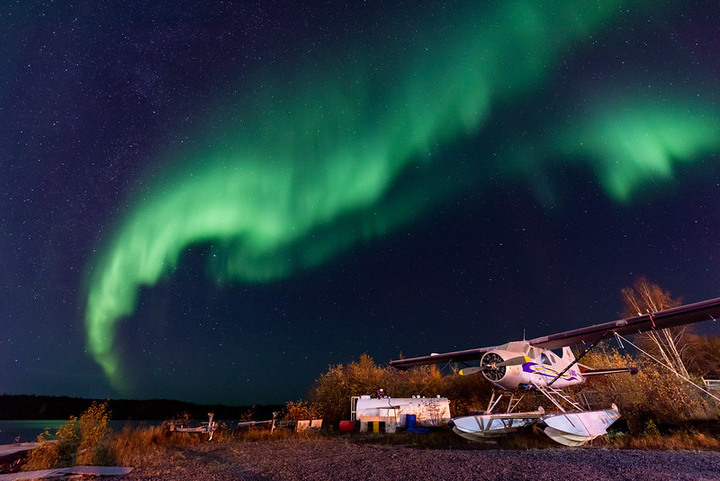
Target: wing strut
{"x":578,"y":359}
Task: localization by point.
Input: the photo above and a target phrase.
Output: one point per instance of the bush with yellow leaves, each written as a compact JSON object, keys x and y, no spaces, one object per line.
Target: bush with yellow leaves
{"x":79,"y":441}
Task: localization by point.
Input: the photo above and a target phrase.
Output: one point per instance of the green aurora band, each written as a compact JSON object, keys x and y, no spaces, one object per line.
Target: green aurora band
{"x":302,"y":169}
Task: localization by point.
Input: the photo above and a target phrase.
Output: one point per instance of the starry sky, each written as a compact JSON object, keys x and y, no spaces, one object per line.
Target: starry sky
{"x":215,"y":201}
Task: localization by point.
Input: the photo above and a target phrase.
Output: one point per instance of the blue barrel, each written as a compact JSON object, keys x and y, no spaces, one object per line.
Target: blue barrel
{"x":410,"y":421}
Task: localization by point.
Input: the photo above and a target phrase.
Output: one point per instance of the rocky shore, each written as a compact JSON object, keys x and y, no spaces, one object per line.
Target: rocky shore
{"x":346,"y":460}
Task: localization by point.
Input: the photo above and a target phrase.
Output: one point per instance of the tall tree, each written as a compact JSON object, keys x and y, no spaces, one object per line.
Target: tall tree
{"x":644,"y":297}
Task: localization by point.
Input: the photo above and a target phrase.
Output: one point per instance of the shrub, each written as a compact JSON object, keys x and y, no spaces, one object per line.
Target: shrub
{"x":82,"y":441}
{"x":93,"y":427}
{"x":45,"y":456}
{"x":56,"y":453}
{"x":300,"y":410}
{"x":654,"y":394}
{"x":68,"y":437}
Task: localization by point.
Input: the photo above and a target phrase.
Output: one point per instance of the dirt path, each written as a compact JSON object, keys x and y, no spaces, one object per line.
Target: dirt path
{"x":341,"y":459}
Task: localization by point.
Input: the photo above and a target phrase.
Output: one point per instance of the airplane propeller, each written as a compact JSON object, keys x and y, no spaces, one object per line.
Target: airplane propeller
{"x":514,"y":361}
{"x":471,"y":370}
{"x":490,"y":364}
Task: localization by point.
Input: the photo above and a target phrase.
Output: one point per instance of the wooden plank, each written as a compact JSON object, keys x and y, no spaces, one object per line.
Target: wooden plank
{"x":59,"y":472}
{"x":8,"y":449}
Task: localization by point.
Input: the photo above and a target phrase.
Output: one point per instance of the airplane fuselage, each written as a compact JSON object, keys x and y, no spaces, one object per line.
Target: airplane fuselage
{"x":518,"y":365}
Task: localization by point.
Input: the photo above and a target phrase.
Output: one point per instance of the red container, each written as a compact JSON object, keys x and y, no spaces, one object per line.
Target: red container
{"x":347,"y":426}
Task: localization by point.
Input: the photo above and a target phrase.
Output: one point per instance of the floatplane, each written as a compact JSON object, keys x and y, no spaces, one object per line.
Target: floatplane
{"x":517,"y":367}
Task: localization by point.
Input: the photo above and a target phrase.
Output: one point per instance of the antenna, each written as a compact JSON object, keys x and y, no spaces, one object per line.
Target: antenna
{"x":523,"y":335}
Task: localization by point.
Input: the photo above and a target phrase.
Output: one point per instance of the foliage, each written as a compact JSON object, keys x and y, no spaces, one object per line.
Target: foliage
{"x":179,"y":420}
{"x":702,"y":355}
{"x":144,"y":445}
{"x":644,"y":297}
{"x":333,"y":389}
{"x":301,"y":410}
{"x":93,"y":425}
{"x":653,"y":394}
{"x":68,"y":437}
{"x":666,"y":344}
{"x":45,"y":456}
{"x":60,"y":452}
{"x":248,"y":415}
{"x":79,"y":441}
{"x":681,"y":440}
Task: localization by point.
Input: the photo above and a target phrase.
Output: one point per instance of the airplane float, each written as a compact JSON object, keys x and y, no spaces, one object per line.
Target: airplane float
{"x":519,"y":366}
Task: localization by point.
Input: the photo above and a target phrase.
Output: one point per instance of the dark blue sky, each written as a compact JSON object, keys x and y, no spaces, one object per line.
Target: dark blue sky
{"x":522,"y":206}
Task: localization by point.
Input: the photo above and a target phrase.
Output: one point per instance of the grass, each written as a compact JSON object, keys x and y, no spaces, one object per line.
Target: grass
{"x":155,"y":446}
{"x":147,"y":445}
{"x":133,"y":447}
{"x":681,"y":440}
{"x":444,"y":438}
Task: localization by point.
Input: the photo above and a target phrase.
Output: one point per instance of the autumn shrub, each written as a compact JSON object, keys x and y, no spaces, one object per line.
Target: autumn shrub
{"x":45,"y":456}
{"x":59,"y":452}
{"x":332,"y":391}
{"x":301,"y":410}
{"x":78,"y":441}
{"x":94,"y":430}
{"x":653,"y":394}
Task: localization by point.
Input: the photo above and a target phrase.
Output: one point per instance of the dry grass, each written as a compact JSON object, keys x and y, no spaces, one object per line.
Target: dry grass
{"x":44,"y":456}
{"x":444,"y":438}
{"x":152,"y":445}
{"x":679,"y":441}
{"x":132,"y":446}
{"x":254,"y":435}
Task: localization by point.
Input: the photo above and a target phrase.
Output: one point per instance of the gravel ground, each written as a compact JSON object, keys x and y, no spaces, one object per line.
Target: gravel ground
{"x":343,"y":459}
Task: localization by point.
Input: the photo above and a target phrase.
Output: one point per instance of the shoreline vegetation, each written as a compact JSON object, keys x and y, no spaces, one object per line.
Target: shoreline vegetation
{"x":285,"y":454}
{"x":88,"y":440}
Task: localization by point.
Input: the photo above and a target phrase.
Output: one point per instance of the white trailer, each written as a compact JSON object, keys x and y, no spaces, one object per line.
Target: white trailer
{"x":427,"y":411}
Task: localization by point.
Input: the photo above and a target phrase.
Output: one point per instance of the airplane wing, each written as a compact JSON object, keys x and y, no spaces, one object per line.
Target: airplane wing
{"x":676,"y":316}
{"x":456,"y":356}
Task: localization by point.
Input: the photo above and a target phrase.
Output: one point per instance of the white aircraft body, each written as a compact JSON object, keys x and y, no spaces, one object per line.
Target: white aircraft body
{"x":520,"y":366}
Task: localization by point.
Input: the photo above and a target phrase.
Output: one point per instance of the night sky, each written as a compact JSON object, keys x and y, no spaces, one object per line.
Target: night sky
{"x":215,"y":201}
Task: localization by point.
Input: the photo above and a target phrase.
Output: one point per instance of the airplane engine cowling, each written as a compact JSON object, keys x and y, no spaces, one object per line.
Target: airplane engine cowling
{"x":491,"y":370}
{"x":502,"y":368}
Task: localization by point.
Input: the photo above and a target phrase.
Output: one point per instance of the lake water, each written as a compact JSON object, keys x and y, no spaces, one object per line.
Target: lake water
{"x":28,"y":430}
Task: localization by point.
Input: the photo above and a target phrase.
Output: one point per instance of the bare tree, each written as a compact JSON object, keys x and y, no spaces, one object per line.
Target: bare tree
{"x":645,"y":297}
{"x":701,"y":355}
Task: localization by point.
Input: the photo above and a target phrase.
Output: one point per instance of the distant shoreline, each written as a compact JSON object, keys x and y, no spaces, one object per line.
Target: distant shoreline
{"x":31,"y":407}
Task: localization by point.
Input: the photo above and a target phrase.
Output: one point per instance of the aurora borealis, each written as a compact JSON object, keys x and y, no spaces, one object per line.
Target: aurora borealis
{"x":236,"y":197}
